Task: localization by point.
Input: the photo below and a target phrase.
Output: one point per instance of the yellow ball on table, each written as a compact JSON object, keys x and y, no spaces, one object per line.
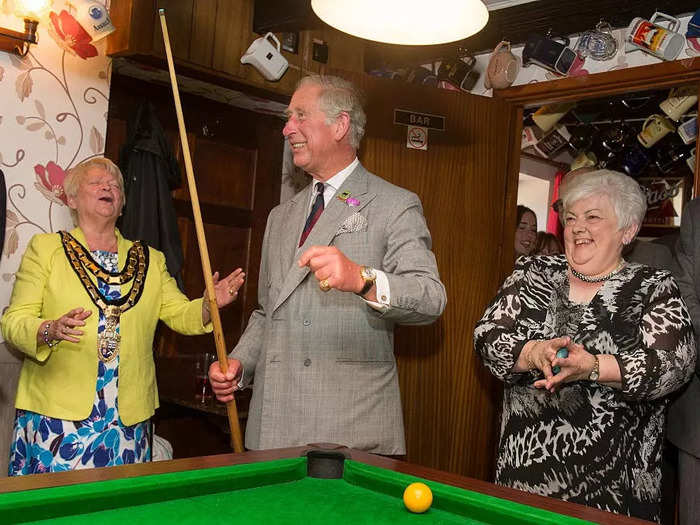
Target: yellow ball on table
{"x":417,"y":497}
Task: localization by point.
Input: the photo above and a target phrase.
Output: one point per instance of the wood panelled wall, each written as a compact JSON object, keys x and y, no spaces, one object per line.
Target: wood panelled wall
{"x":450,"y":401}
{"x":208,"y":38}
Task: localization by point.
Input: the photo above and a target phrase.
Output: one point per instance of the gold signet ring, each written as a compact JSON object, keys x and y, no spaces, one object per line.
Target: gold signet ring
{"x":324,"y":286}
{"x":231,"y":291}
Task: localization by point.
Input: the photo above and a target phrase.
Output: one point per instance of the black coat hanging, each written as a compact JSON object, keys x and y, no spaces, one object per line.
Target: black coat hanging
{"x":150,"y":173}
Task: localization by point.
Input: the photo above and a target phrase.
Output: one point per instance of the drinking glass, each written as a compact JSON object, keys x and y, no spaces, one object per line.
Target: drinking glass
{"x":203,"y":392}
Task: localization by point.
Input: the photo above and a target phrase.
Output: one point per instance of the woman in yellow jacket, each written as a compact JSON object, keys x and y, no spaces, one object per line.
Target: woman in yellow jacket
{"x":84,"y":310}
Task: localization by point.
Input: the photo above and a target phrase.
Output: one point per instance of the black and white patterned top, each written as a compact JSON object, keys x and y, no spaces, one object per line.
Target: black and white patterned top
{"x":588,"y":443}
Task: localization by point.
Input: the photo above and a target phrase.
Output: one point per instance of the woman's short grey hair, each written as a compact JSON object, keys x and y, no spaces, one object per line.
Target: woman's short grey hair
{"x":625,"y":194}
{"x":338,"y":96}
{"x":75,"y":175}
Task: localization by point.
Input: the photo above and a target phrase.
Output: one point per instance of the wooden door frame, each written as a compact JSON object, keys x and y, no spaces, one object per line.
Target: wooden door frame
{"x":641,"y":78}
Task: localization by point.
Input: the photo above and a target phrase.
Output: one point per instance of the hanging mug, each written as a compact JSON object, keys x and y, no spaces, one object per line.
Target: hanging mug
{"x":688,"y":130}
{"x":661,"y":42}
{"x":531,"y":136}
{"x":585,"y":159}
{"x":655,"y":128}
{"x":552,"y":142}
{"x":634,"y":160}
{"x":679,"y":101}
{"x":691,"y":161}
{"x":547,"y":116}
{"x":503,"y":67}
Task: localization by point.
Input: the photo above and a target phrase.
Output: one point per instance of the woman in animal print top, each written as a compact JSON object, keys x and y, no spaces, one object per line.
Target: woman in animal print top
{"x":593,"y":432}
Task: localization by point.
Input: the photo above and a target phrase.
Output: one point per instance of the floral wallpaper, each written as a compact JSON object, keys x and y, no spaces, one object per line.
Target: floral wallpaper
{"x":53,"y":115}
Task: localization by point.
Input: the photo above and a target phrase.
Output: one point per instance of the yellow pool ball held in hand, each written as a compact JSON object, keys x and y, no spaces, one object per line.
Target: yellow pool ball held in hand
{"x":417,"y":497}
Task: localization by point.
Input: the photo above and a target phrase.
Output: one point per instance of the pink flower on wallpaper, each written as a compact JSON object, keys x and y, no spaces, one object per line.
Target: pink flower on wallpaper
{"x":50,"y":182}
{"x":70,"y":35}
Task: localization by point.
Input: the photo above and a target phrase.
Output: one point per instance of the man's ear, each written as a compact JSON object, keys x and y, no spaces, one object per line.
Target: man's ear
{"x":342,"y":126}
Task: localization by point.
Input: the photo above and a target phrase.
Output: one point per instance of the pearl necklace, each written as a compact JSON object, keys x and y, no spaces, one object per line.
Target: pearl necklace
{"x":593,"y":279}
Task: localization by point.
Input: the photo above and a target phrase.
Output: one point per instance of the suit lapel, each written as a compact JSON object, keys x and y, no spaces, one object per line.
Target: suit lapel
{"x":325,"y":228}
{"x":292,"y":226}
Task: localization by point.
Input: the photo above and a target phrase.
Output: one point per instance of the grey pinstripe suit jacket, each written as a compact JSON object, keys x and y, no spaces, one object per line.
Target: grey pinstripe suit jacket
{"x":323,"y":363}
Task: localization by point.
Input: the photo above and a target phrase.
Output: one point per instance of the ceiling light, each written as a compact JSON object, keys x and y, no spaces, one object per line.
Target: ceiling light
{"x":408,"y":22}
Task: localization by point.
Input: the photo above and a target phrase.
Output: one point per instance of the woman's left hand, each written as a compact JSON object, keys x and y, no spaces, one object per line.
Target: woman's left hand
{"x":576,"y":366}
{"x":226,"y":291}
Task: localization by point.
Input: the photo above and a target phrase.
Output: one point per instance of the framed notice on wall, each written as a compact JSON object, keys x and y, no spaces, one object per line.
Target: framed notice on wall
{"x":665,"y":198}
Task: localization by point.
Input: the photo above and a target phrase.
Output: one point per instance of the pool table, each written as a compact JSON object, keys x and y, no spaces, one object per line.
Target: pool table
{"x":276,"y":486}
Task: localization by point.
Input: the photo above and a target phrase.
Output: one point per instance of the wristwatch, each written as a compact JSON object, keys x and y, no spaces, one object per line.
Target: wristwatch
{"x":369,"y":275}
{"x":595,"y":373}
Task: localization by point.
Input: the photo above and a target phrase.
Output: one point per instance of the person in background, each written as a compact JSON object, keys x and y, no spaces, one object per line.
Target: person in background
{"x":84,"y":310}
{"x":525,"y":231}
{"x":588,"y":428}
{"x":547,"y":244}
{"x":342,"y":263}
{"x":684,"y":413}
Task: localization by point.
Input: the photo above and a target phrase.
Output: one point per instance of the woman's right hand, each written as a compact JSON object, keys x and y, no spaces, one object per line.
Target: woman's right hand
{"x":539,"y":354}
{"x":65,"y":328}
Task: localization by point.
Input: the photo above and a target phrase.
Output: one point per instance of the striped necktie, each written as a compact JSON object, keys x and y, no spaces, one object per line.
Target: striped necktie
{"x":315,"y":213}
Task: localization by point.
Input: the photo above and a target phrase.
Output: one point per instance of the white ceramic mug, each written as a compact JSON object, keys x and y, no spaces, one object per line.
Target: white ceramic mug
{"x":94,"y":18}
{"x":655,"y":128}
{"x":547,"y":116}
{"x":679,"y":101}
{"x":665,"y":43}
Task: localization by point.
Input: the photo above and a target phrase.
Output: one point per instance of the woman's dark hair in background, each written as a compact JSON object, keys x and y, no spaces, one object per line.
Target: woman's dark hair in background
{"x":547,"y":244}
{"x":522,"y":210}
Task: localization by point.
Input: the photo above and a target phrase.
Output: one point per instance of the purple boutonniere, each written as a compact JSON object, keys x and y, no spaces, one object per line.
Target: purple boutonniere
{"x":351,"y":201}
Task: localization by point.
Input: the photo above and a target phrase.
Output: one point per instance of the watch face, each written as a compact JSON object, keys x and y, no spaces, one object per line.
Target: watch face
{"x":368,"y":273}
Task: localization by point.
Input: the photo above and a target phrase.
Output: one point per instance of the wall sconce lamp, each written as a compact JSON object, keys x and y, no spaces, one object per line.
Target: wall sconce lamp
{"x":17,"y":42}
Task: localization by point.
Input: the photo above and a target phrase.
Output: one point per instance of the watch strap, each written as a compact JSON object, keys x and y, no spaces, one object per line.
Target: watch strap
{"x":366,"y":288}
{"x":595,"y":373}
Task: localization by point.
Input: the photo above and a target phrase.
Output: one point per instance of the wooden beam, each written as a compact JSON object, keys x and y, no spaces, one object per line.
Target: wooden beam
{"x":598,"y":85}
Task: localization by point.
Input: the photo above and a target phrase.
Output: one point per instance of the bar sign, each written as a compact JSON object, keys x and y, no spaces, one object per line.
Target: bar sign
{"x":425,"y":120}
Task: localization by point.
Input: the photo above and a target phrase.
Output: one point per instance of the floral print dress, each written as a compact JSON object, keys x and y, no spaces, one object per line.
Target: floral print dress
{"x":46,"y":444}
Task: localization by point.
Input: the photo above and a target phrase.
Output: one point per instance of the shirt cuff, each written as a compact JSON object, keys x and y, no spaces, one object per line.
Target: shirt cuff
{"x":383,"y":293}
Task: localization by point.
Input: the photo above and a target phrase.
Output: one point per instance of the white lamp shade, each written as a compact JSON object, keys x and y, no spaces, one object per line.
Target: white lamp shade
{"x":408,"y":22}
{"x":34,"y":9}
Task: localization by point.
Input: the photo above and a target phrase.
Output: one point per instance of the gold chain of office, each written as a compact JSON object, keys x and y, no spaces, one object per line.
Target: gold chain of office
{"x":134,"y":270}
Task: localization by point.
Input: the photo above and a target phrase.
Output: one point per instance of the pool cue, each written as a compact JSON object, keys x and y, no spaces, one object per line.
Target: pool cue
{"x":236,"y":441}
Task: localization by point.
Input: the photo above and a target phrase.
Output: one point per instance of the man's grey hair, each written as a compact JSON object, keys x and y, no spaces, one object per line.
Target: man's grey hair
{"x":625,"y":194}
{"x":337,"y":96}
{"x":75,"y":175}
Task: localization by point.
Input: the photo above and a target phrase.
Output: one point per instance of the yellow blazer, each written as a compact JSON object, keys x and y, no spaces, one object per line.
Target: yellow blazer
{"x":60,"y":381}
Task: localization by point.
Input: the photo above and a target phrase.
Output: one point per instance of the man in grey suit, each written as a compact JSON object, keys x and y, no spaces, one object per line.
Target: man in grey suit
{"x":342,"y":262}
{"x":684,"y":413}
